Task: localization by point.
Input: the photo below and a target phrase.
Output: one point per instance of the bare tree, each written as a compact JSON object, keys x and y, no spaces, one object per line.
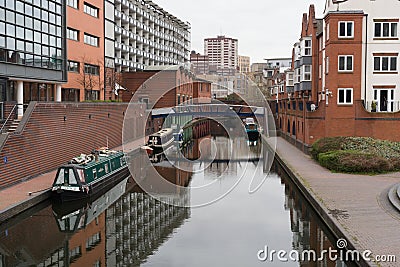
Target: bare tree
{"x":90,"y":76}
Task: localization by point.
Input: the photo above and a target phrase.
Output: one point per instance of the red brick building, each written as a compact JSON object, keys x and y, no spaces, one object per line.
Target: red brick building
{"x":341,"y":65}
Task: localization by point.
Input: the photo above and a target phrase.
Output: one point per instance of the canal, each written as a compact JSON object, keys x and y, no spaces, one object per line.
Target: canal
{"x":210,"y":220}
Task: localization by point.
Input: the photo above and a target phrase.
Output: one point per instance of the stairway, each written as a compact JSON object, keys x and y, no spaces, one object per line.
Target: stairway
{"x":13,"y":126}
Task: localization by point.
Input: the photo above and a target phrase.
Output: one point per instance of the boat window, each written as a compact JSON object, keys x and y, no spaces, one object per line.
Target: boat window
{"x":94,"y":174}
{"x":72,"y":178}
{"x":60,"y":177}
{"x":81,"y":175}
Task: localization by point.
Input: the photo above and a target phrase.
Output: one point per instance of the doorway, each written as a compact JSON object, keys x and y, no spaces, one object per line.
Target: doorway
{"x":384,"y":98}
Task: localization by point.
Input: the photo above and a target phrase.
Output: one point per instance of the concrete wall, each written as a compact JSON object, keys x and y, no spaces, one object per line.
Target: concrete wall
{"x":57,"y":132}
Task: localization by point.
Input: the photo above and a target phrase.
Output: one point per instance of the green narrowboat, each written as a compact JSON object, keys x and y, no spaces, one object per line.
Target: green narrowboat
{"x":86,"y":175}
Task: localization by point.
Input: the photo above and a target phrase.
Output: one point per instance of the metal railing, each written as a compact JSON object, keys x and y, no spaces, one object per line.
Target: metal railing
{"x":391,"y":106}
{"x":1,"y":111}
{"x":12,"y":115}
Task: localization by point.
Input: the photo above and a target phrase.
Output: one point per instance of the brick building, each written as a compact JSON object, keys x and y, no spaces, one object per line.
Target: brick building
{"x":85,"y":46}
{"x":342,"y":64}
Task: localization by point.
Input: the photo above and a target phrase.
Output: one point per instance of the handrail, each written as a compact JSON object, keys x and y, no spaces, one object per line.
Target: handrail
{"x":8,"y":118}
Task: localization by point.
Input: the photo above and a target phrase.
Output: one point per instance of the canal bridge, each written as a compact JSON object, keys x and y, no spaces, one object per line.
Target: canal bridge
{"x":210,"y":110}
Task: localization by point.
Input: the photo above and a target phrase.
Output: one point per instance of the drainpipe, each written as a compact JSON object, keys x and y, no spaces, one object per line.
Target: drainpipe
{"x":366,"y":59}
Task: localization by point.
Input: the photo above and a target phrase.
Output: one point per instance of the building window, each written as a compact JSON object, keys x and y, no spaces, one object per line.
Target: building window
{"x":72,"y":34}
{"x":384,"y":99}
{"x":345,"y":96}
{"x":91,"y":10}
{"x":385,"y":29}
{"x":91,"y":40}
{"x":327,"y":65}
{"x":345,"y":63}
{"x":73,"y":3}
{"x":92,"y":69}
{"x":307,"y":73}
{"x":307,"y":47}
{"x":327,"y":32}
{"x":346,"y":29}
{"x":385,"y":63}
{"x":73,"y":66}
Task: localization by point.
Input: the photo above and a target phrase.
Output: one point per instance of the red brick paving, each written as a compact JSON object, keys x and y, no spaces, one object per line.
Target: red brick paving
{"x":371,"y":222}
{"x":12,"y":196}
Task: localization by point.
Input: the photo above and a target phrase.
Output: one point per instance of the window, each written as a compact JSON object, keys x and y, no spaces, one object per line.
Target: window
{"x":73,"y":66}
{"x":327,"y":65}
{"x":91,"y":40}
{"x":345,"y":96}
{"x":73,"y":3}
{"x":385,"y":29}
{"x":307,"y":48}
{"x":72,"y":34}
{"x":307,"y":73}
{"x":91,"y":10}
{"x":92,"y":69}
{"x":385,"y":63}
{"x":346,"y":29}
{"x":345,"y":63}
{"x":327,"y":32}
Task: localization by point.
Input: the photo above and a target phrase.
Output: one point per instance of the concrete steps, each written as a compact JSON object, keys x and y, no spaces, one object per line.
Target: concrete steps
{"x":13,"y":126}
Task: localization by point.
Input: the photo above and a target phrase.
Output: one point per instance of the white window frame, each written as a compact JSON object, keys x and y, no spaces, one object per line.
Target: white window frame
{"x":327,"y":31}
{"x":72,"y":34}
{"x":90,"y":10}
{"x":346,"y":34}
{"x":304,"y":73}
{"x":327,"y":65}
{"x":389,"y":64}
{"x":390,"y":25}
{"x":73,"y":3}
{"x":346,"y":58}
{"x":345,"y":96}
{"x":307,"y":49}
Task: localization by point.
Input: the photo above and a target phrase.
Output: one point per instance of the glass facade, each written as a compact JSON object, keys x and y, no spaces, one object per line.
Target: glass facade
{"x":32,"y":32}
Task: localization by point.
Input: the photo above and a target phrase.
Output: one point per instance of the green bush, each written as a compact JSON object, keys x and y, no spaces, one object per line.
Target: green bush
{"x":354,"y":162}
{"x":327,"y":144}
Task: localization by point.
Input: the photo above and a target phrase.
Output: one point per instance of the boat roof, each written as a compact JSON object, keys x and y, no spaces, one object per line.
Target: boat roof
{"x":101,"y":158}
{"x":162,"y":132}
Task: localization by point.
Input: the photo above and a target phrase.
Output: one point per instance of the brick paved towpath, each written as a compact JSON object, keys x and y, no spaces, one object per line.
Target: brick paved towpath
{"x":355,"y":205}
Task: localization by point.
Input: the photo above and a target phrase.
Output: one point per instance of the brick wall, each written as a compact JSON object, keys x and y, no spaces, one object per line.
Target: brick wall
{"x":57,"y":132}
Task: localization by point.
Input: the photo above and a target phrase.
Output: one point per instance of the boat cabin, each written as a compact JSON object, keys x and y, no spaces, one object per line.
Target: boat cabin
{"x":101,"y":163}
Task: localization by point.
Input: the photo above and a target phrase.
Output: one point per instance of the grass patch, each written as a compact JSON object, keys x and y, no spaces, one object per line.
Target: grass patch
{"x":357,"y":154}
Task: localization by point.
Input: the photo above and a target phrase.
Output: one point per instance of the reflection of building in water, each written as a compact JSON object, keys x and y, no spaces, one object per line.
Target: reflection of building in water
{"x":309,"y":233}
{"x":137,"y":225}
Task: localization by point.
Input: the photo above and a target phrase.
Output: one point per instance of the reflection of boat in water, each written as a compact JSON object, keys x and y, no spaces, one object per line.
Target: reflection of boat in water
{"x":252,"y":129}
{"x":86,"y":175}
{"x":76,"y":215}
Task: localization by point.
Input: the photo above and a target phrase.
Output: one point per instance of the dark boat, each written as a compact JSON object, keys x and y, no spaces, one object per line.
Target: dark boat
{"x":252,"y":130}
{"x":87,"y":175}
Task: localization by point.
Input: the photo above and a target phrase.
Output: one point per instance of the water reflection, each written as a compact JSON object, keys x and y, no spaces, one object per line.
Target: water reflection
{"x":127,"y":227}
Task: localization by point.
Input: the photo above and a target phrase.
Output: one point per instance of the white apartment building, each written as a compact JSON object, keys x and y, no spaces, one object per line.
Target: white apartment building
{"x":223,"y":54}
{"x":139,"y":33}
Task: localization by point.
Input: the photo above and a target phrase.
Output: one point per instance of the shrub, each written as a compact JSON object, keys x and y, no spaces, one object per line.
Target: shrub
{"x":326,"y":144}
{"x":354,"y":162}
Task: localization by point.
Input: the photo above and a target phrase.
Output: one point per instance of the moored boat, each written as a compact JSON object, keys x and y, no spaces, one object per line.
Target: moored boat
{"x":86,"y":175}
{"x":161,"y":139}
{"x":252,"y":130}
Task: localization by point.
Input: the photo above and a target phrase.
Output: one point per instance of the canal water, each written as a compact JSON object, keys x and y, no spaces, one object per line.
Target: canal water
{"x":213,"y":221}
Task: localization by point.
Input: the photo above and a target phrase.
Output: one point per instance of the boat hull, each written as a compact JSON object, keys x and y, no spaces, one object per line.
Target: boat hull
{"x":95,"y":189}
{"x":253,"y":135}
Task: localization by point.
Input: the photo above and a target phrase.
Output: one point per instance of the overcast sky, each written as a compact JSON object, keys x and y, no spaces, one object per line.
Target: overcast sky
{"x":264,"y":28}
